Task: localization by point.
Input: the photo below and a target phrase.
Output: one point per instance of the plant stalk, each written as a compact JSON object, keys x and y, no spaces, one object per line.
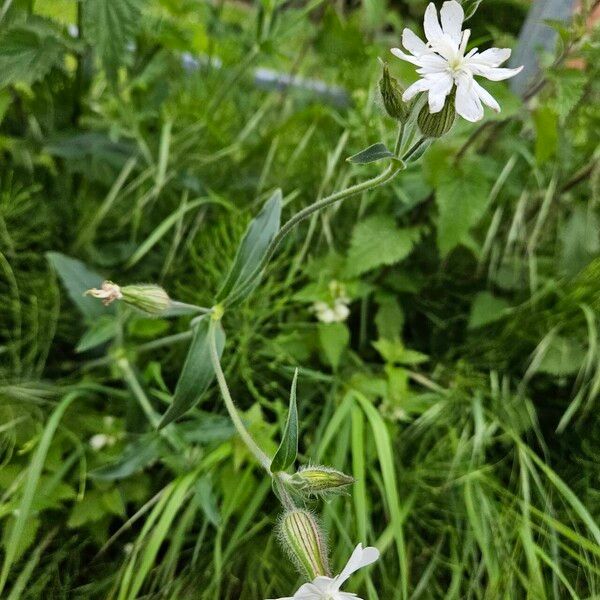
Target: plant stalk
{"x":260,"y":456}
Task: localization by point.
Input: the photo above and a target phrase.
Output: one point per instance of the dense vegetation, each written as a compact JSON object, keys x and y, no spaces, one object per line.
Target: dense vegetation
{"x":462,"y":391}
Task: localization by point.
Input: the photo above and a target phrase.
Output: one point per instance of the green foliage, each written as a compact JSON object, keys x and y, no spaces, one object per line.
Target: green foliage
{"x":108,"y":25}
{"x":288,"y":448}
{"x":461,"y":391}
{"x":378,"y":241}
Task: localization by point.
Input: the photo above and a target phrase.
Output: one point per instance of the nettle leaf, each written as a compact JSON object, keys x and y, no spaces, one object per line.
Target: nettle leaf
{"x":78,"y":278}
{"x":462,"y":197}
{"x":288,"y":449}
{"x":28,"y":51}
{"x":371,"y":154}
{"x":486,"y":308}
{"x":334,"y":338}
{"x":197,"y":373}
{"x":261,"y":231}
{"x":378,"y":241}
{"x":564,"y":356}
{"x":108,"y":25}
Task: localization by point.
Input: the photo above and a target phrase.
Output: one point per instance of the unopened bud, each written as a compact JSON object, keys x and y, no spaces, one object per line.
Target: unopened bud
{"x":148,"y":298}
{"x":391,"y":95}
{"x":320,"y":480}
{"x":436,"y":125}
{"x":301,"y":536}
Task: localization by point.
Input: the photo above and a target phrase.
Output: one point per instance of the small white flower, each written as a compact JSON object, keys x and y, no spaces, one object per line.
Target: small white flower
{"x":98,"y":441}
{"x":328,"y":588}
{"x":336,"y":310}
{"x":443,"y":63}
{"x":108,"y":292}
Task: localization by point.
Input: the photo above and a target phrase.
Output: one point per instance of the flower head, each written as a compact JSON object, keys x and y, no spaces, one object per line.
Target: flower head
{"x":444,"y":63}
{"x":335,"y":310}
{"x":328,"y":588}
{"x":108,"y":292}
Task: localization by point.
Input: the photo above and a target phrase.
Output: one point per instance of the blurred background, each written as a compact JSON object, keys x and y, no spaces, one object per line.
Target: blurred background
{"x":137,"y":140}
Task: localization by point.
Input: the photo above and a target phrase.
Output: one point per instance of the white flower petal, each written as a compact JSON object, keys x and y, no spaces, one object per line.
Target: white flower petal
{"x":361,"y":557}
{"x":452,"y":15}
{"x":412,"y":90}
{"x":439,"y":89}
{"x":468,"y":105}
{"x":413,"y":43}
{"x":433,"y":31}
{"x":494,"y":74}
{"x":486,"y":97}
{"x":407,"y":57}
{"x":432,"y":63}
{"x":492,"y":57}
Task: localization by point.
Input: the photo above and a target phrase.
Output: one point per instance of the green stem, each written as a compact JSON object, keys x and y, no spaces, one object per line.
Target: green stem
{"x":387,"y":175}
{"x":260,"y":456}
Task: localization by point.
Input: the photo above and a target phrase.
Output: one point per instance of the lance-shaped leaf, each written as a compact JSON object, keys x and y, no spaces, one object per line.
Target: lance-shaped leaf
{"x":197,"y":373}
{"x":288,"y":449}
{"x":256,"y":240}
{"x":371,"y":154}
{"x":78,"y":278}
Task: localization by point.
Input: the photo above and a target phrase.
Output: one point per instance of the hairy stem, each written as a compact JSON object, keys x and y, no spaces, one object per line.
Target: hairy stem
{"x":388,"y":174}
{"x":260,"y":456}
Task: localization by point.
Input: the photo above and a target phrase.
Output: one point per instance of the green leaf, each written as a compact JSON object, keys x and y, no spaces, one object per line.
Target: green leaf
{"x":371,"y":154}
{"x":580,"y":240}
{"x":334,"y":339}
{"x":78,"y":278}
{"x":197,"y":373}
{"x":288,"y":449}
{"x":378,"y":241}
{"x":101,"y":330}
{"x":108,"y":25}
{"x":389,"y":319}
{"x":29,"y":51}
{"x":134,"y":458}
{"x":564,"y":356}
{"x":486,"y":308}
{"x":462,"y":197}
{"x":261,"y":231}
{"x":546,"y":133}
{"x":394,"y":351}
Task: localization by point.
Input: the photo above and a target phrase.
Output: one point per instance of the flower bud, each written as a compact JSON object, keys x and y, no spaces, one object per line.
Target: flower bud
{"x":108,"y":292}
{"x":301,"y":536}
{"x":148,"y":298}
{"x":435,"y":125}
{"x":391,"y":95}
{"x":320,"y":480}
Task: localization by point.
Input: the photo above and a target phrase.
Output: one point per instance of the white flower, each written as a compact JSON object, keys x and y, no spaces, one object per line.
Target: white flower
{"x":336,"y":313}
{"x":98,"y":441}
{"x":108,"y":292}
{"x":443,"y":63}
{"x":328,"y":588}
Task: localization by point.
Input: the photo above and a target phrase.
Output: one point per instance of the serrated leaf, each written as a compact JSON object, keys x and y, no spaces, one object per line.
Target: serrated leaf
{"x":486,"y":308}
{"x":288,"y":449}
{"x":108,"y":25}
{"x":77,"y":278}
{"x":197,"y":373}
{"x":28,"y":52}
{"x":334,"y":339}
{"x":100,"y":331}
{"x":563,"y":357}
{"x":461,"y":197}
{"x":371,"y":154}
{"x":378,"y":241}
{"x":259,"y":234}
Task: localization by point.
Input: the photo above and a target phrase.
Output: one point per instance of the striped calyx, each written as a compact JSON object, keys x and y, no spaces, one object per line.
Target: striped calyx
{"x":301,"y":536}
{"x":148,"y":298}
{"x":391,"y":95}
{"x":435,"y":125}
{"x":320,"y":480}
